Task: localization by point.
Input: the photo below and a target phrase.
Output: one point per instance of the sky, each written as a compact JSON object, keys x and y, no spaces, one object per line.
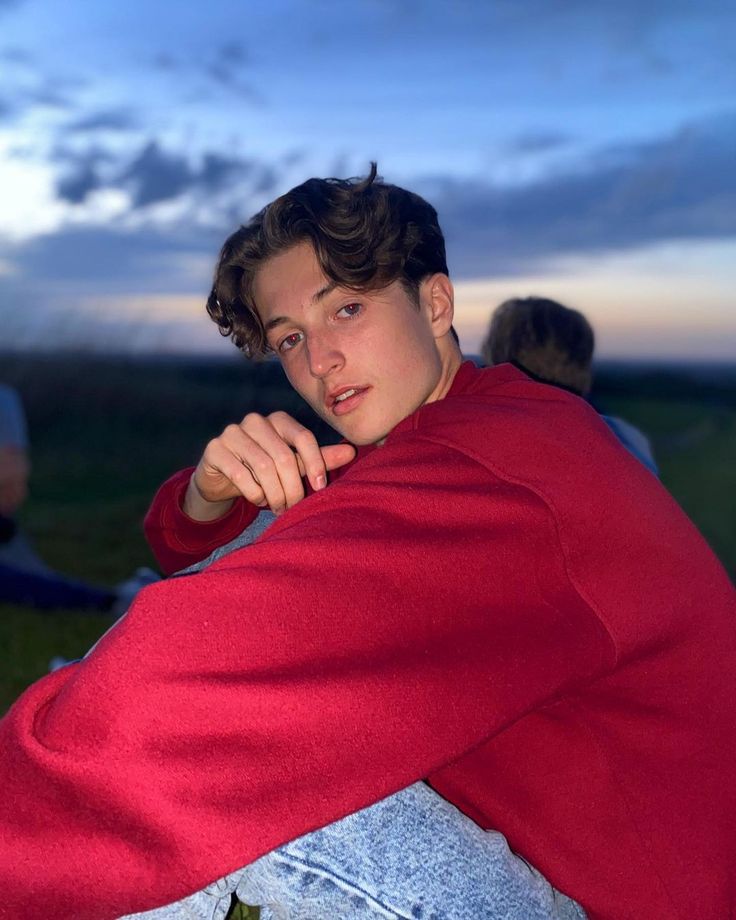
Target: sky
{"x":582,"y":151}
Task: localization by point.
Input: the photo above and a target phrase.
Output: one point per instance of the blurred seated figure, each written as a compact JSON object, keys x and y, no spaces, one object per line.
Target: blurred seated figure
{"x":554,"y":344}
{"x":24,"y":576}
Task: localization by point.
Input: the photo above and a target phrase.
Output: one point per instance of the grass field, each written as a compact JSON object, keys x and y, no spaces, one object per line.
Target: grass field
{"x":106,"y":432}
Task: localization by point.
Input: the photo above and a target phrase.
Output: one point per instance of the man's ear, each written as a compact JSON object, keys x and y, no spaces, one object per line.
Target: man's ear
{"x":438,"y":296}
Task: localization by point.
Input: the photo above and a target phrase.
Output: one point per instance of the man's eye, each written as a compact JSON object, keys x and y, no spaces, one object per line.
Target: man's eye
{"x":350,"y":309}
{"x":290,"y":341}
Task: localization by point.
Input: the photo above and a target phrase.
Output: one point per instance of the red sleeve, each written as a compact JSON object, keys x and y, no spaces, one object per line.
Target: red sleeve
{"x":360,"y":645}
{"x":178,"y":541}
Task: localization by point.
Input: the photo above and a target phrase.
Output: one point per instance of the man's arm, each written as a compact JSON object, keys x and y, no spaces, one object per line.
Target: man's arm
{"x":350,"y":652}
{"x":263,"y":462}
{"x":177,"y":540}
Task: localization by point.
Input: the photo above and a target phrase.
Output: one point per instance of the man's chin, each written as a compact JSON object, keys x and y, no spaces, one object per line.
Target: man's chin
{"x":357,"y":434}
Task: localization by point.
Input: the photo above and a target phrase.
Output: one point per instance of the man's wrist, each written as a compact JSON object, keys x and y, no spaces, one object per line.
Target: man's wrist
{"x":198,"y":508}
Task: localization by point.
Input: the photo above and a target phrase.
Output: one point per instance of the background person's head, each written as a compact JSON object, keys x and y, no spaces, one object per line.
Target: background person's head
{"x":365,"y":233}
{"x":551,"y":342}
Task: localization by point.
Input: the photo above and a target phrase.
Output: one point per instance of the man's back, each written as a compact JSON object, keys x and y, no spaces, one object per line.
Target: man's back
{"x":624,"y":781}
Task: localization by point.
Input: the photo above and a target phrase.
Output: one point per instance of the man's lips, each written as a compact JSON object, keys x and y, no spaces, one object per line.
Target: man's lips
{"x":345,"y":399}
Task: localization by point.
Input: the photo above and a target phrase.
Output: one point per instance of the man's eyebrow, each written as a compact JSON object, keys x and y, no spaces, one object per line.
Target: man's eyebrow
{"x":323,"y":292}
{"x":319,"y":295}
{"x":276,"y":321}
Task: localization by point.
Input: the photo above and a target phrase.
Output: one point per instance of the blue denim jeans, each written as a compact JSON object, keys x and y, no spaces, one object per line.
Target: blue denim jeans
{"x":411,"y":856}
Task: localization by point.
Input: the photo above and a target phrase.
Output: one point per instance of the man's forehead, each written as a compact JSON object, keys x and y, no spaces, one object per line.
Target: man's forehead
{"x":270,"y":322}
{"x":289,"y":280}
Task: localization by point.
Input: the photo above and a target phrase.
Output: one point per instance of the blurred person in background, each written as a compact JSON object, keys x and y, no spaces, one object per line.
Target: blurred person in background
{"x":553,"y":344}
{"x":24,"y":577}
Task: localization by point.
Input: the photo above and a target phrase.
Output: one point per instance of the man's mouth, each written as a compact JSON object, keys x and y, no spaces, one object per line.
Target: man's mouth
{"x":345,"y":399}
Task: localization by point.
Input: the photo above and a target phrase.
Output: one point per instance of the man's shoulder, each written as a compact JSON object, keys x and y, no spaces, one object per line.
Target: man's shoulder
{"x":500,"y":403}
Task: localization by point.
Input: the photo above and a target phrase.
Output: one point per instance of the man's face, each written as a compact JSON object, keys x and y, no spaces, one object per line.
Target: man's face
{"x":362,"y":361}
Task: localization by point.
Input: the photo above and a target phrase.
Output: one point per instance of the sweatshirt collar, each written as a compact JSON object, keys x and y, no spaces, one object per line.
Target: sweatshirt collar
{"x":464,"y":381}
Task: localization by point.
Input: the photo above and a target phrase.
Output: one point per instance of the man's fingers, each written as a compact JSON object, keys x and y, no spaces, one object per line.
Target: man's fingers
{"x":336,"y":455}
{"x":314,"y":461}
{"x":264,"y":460}
{"x":333,"y":456}
{"x":260,"y":469}
{"x":307,"y":451}
{"x":277,"y":445}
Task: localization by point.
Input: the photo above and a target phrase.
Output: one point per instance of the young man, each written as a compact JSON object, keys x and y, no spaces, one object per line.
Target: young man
{"x":495,"y":597}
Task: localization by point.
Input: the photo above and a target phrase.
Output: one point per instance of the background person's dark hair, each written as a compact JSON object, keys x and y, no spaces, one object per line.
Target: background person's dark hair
{"x":551,"y":342}
{"x":365,"y":233}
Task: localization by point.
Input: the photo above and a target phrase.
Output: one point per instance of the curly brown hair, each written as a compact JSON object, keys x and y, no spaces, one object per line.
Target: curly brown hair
{"x":366,"y":234}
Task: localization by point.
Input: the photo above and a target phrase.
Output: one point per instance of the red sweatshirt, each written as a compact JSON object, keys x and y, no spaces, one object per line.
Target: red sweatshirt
{"x":500,"y":598}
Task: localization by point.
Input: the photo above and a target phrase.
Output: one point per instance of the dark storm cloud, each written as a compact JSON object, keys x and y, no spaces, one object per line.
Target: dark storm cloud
{"x":153,"y":174}
{"x":82,"y":171}
{"x":681,"y":186}
{"x":156,"y":175}
{"x":216,"y":170}
{"x":75,"y":187}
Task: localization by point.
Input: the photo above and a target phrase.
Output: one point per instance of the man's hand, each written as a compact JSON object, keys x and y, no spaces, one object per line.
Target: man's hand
{"x":263,"y":459}
{"x":14,"y":470}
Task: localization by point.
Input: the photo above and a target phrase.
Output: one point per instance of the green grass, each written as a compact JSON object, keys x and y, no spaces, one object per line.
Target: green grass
{"x":107,"y":432}
{"x":695,"y":448}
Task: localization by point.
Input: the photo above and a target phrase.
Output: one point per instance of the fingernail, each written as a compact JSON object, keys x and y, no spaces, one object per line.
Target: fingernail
{"x":321,"y":481}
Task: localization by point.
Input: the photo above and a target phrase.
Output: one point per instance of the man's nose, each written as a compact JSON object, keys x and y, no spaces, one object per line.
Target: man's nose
{"x":324,"y":355}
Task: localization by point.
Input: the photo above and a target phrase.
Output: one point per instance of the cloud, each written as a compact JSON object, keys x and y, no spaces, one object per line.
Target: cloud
{"x":50,"y":96}
{"x":154,"y":175}
{"x":104,"y":120}
{"x":676,"y":187}
{"x":82,"y":172}
{"x":75,"y":187}
{"x":55,"y":275}
{"x":681,"y":186}
{"x":537,"y":142}
{"x":84,"y":259}
{"x":224,"y":68}
{"x":20,"y":100}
